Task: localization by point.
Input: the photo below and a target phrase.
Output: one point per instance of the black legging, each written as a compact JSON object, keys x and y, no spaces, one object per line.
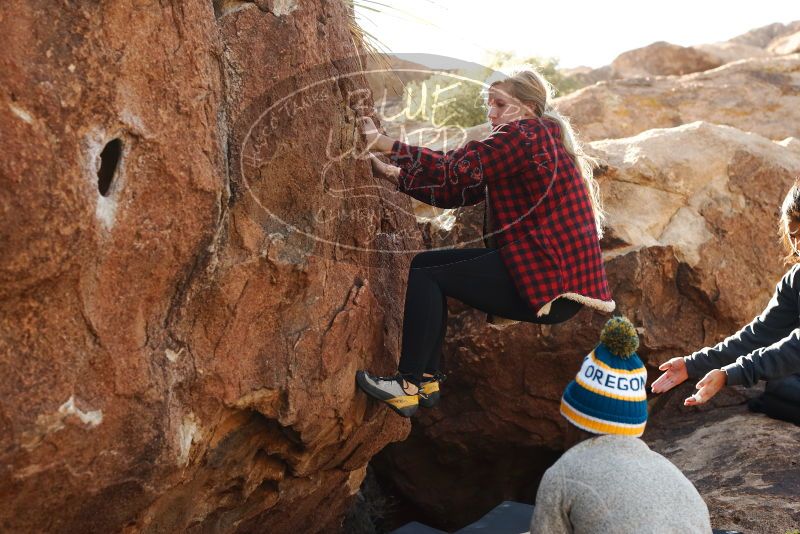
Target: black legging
{"x":475,"y":276}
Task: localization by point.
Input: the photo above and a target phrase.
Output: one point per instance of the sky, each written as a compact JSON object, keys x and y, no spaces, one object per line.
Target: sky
{"x":578,"y":33}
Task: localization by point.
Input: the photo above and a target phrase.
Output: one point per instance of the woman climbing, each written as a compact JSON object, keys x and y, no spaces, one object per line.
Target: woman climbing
{"x":766,"y":349}
{"x":542,"y":227}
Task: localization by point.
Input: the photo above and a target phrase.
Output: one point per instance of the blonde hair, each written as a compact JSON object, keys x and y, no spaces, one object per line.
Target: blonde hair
{"x":527,"y":85}
{"x":790,"y":211}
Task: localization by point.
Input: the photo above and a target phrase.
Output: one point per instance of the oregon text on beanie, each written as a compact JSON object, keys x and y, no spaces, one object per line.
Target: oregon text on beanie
{"x":608,"y":394}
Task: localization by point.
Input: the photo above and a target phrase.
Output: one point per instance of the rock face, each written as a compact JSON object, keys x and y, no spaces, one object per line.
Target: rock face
{"x":757,"y":95}
{"x":691,"y":255}
{"x":174,"y":358}
{"x":662,"y":59}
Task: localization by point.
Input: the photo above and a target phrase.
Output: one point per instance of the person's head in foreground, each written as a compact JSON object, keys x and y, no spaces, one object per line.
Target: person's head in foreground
{"x":611,"y":481}
{"x":608,"y":394}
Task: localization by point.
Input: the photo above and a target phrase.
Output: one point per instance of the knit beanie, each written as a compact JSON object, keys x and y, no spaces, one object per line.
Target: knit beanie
{"x":608,"y":394}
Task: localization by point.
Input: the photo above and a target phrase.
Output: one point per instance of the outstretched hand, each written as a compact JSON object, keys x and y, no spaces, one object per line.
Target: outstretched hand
{"x":675,"y":373}
{"x":707,"y":387}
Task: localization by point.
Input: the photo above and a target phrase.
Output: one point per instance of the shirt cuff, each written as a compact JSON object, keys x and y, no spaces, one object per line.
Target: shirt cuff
{"x":401,"y":154}
{"x":402,"y":179}
{"x":735,"y":374}
{"x":692,"y":367}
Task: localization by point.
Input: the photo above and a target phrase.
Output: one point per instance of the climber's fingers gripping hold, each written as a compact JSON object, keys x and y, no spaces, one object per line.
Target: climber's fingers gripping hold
{"x":376,"y":141}
{"x":370,"y":131}
{"x":384,"y":170}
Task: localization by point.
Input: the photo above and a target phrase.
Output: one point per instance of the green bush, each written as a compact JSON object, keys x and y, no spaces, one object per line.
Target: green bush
{"x":458,"y":98}
{"x":445,"y":100}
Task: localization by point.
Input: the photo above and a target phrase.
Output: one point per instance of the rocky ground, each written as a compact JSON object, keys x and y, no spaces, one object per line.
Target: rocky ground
{"x":744,"y":464}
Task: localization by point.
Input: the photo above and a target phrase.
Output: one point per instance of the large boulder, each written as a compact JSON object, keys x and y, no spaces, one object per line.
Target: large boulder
{"x":788,"y":44}
{"x":765,"y":36}
{"x":691,"y":255}
{"x":710,"y":200}
{"x":583,"y":76}
{"x":665,"y":59}
{"x":176,"y":354}
{"x":729,"y":51}
{"x":773,"y":39}
{"x":758,"y":95}
{"x":662,"y":59}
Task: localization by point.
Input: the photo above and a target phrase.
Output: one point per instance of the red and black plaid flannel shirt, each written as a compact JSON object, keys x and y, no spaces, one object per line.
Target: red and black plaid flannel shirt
{"x":540,"y":207}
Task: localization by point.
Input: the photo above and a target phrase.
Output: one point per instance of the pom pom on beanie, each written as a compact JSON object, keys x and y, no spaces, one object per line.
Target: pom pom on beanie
{"x":620,"y":336}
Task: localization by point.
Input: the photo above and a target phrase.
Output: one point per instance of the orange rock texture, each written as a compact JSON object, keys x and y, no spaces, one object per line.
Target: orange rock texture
{"x":174,"y":357}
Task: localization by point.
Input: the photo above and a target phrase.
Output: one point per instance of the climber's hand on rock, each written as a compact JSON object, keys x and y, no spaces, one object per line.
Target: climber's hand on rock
{"x":383,"y":170}
{"x":707,"y":387}
{"x":376,"y":141}
{"x":675,"y":373}
{"x":368,"y":128}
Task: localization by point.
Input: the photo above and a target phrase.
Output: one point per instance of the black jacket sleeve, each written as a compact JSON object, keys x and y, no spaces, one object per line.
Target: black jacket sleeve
{"x":768,"y":347}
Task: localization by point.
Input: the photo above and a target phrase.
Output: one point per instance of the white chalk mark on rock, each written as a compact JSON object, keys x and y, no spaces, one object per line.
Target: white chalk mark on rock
{"x":21,"y":113}
{"x":173,"y":356}
{"x":188,"y":433}
{"x":106,"y":206}
{"x":91,"y":417}
{"x":53,"y":422}
{"x":105,"y":211}
{"x":283,"y":7}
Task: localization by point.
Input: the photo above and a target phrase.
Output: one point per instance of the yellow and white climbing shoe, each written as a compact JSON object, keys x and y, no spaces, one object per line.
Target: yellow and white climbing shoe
{"x":389,"y":389}
{"x":429,"y":389}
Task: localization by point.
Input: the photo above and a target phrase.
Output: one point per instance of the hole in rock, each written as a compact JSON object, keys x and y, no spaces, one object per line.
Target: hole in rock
{"x":109,"y":161}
